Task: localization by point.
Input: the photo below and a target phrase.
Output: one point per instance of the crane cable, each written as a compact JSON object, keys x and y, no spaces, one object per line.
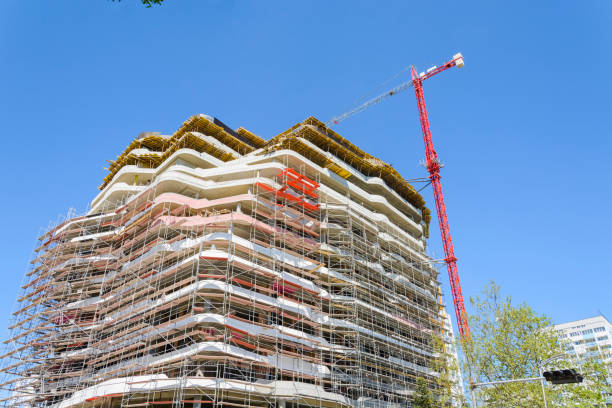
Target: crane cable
{"x":379,"y":87}
{"x":399,"y":88}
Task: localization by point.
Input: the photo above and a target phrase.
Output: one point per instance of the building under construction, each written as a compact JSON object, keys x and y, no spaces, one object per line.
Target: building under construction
{"x":217,"y":269}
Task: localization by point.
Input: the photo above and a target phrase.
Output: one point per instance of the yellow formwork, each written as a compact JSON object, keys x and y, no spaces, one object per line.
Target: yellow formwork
{"x":326,"y":139}
{"x":182,"y":138}
{"x":257,"y":141}
{"x":311,"y":129}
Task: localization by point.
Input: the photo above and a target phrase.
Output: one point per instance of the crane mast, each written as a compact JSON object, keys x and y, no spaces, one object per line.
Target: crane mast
{"x":433,"y":167}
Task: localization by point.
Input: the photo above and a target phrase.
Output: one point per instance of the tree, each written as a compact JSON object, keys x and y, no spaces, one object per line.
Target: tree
{"x":422,"y":397}
{"x":149,"y":3}
{"x":510,"y":342}
{"x":447,"y":392}
{"x":443,"y":390}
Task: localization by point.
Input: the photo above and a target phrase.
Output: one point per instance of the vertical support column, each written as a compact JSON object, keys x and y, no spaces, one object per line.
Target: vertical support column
{"x":433,"y":167}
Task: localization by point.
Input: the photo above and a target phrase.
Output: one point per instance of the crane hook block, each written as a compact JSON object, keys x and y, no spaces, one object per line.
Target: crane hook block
{"x":458,"y":58}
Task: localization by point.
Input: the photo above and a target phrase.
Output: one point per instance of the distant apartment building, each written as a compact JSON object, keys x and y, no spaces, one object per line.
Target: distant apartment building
{"x":587,"y":336}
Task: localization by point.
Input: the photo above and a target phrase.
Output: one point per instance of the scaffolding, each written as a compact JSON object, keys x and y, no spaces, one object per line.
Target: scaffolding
{"x":272,"y":284}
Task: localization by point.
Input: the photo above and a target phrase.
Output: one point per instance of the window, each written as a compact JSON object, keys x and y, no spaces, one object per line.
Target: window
{"x":589,"y":331}
{"x":602,"y":338}
{"x":600,"y":329}
{"x":574,"y":334}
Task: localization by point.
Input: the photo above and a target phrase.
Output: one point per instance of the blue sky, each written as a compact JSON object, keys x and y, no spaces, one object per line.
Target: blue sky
{"x":524,"y":128}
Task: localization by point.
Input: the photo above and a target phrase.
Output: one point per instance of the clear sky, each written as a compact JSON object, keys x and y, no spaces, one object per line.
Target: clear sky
{"x":524,"y":129}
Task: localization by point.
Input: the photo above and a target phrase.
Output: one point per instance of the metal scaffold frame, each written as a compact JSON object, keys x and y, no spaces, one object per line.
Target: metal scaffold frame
{"x":272,"y":284}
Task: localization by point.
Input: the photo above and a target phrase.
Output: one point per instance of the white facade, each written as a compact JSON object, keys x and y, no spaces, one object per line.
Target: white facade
{"x":585,"y":337}
{"x":449,"y":340}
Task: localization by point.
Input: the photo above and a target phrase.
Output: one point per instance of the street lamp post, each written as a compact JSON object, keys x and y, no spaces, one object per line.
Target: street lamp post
{"x":543,"y":389}
{"x":541,"y":368}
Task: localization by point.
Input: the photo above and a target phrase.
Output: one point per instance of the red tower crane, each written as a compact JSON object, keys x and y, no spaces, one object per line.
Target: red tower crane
{"x":433,"y":167}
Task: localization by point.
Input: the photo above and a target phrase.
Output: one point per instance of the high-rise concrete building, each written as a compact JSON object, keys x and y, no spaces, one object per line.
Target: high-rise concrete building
{"x":217,"y":269}
{"x":458,"y":390}
{"x":592,"y":336}
{"x":589,"y":338}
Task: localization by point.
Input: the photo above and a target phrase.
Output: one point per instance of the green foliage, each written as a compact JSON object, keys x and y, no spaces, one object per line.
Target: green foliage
{"x":591,"y":393}
{"x":446,"y":366}
{"x":148,"y":3}
{"x":510,"y":342}
{"x":422,"y":397}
